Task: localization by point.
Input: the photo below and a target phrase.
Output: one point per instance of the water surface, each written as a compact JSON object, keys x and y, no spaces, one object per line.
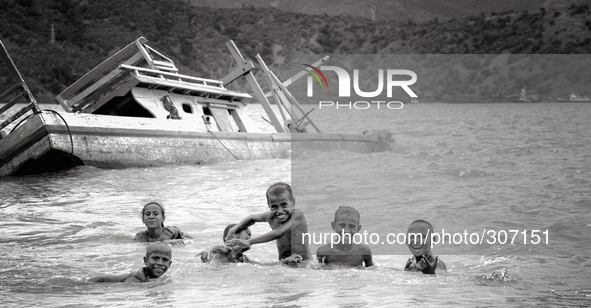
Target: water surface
{"x":462,"y":167}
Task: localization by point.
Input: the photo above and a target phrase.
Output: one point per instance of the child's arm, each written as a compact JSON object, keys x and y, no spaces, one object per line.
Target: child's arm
{"x":272,"y":235}
{"x":180,"y":242}
{"x":296,"y":219}
{"x":321,"y":254}
{"x":136,"y":277}
{"x":120,"y":278}
{"x":367,"y":259}
{"x":178,"y":237}
{"x":178,"y":234}
{"x":441,"y":265}
{"x":408,"y":263}
{"x":247,"y":222}
{"x":140,"y":237}
{"x":295,"y":258}
{"x":208,"y":254}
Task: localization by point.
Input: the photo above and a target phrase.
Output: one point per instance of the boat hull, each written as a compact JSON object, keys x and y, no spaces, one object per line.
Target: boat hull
{"x":574,"y":101}
{"x":45,"y":143}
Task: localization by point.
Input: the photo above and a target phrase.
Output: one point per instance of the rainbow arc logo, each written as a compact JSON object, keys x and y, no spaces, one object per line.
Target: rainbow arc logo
{"x":319,"y":72}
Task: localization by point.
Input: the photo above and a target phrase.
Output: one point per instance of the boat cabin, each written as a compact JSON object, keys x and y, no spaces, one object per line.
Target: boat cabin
{"x":138,"y":81}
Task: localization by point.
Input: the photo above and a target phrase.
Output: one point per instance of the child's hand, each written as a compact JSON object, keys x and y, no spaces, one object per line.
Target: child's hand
{"x":230,"y":236}
{"x":408,"y":263}
{"x":295,"y":258}
{"x":429,"y":267}
{"x":180,"y":242}
{"x":241,"y":244}
{"x":208,"y":254}
{"x":221,"y":249}
{"x":204,"y":255}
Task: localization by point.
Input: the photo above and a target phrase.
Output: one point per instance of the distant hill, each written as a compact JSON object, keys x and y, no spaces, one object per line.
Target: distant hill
{"x":87,"y":32}
{"x":396,"y":10}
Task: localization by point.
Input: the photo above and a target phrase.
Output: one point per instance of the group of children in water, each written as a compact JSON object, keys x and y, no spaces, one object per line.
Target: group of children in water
{"x":288,"y":224}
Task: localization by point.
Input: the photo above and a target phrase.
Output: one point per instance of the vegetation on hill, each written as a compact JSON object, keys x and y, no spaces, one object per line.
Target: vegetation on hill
{"x":416,"y":10}
{"x":87,"y":32}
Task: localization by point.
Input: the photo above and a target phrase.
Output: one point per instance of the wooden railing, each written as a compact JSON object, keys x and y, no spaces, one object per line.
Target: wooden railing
{"x":18,"y":91}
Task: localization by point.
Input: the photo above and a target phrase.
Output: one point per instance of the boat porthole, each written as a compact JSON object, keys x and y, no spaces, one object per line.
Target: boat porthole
{"x":187,"y":108}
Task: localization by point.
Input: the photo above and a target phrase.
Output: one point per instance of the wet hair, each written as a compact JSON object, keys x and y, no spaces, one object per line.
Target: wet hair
{"x":421,"y":221}
{"x":348,"y":210}
{"x":228,"y":227}
{"x":158,"y":247}
{"x":279,"y":188}
{"x":158,"y":204}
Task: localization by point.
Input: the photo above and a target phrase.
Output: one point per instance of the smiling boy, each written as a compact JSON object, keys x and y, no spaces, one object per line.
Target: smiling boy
{"x":288,"y":225}
{"x":157,"y":260}
{"x":345,"y":251}
{"x":419,"y":242}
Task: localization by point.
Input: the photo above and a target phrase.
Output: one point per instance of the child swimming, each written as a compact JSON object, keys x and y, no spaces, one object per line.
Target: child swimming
{"x":153,"y":217}
{"x":287,"y":224}
{"x":419,"y":242}
{"x":226,"y":253}
{"x":345,"y":252}
{"x":157,"y":260}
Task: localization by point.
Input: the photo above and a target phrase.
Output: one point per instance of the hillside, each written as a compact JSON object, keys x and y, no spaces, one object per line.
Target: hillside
{"x":394,"y":10}
{"x":87,"y":32}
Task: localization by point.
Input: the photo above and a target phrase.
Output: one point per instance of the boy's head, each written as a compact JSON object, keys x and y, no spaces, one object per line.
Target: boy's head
{"x":419,"y":237}
{"x":278,"y":189}
{"x":280,"y":201}
{"x":158,"y":258}
{"x":243,"y":234}
{"x":346,"y":219}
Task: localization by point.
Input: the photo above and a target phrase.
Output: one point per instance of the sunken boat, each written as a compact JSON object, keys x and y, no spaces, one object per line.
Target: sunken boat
{"x":136,"y":110}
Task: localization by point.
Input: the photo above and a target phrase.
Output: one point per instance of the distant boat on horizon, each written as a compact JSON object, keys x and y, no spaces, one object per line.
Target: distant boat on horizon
{"x":575,"y":99}
{"x":523,"y":96}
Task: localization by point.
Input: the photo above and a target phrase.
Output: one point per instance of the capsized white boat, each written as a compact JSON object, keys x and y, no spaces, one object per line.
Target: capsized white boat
{"x":136,"y":110}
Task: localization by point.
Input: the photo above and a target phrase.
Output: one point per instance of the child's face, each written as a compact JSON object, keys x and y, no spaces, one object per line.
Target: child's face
{"x":158,"y":262}
{"x":347,"y":223}
{"x":244,"y":234}
{"x":152,"y":216}
{"x":422,"y":246}
{"x":281,"y":206}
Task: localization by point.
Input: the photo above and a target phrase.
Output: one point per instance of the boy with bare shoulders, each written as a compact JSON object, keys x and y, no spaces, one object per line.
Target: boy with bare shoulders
{"x":419,"y":242}
{"x":345,"y":251}
{"x":288,"y":224}
{"x":157,"y":260}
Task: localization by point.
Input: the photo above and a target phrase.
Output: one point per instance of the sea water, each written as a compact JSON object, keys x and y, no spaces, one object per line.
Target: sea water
{"x":464,"y":167}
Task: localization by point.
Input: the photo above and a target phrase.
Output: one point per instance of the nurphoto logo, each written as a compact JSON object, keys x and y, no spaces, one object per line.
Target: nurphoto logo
{"x":344,"y":87}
